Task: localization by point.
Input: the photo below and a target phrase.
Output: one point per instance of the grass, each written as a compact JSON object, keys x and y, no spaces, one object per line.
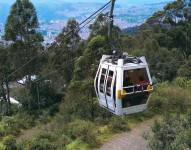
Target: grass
{"x":77,"y":145}
{"x":104,"y":134}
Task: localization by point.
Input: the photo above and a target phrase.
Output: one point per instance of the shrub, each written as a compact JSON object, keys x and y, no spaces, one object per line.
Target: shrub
{"x":53,"y":109}
{"x":44,"y":141}
{"x":171,"y":97}
{"x":37,"y":144}
{"x":2,"y":130}
{"x":2,"y":147}
{"x":84,"y":130}
{"x":172,"y":133}
{"x":10,"y":125}
{"x":182,"y":141}
{"x":9,"y":143}
{"x":118,"y":124}
{"x":182,"y":82}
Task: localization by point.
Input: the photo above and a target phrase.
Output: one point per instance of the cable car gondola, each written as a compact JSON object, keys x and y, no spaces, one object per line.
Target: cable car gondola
{"x":123,"y":85}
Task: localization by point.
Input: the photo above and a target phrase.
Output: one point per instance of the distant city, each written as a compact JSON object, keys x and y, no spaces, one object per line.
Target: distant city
{"x":53,"y":19}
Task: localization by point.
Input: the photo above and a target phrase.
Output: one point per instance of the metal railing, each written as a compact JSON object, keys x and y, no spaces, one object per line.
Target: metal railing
{"x":139,"y":88}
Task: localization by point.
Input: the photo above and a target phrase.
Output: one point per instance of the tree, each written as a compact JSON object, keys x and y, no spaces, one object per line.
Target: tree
{"x":185,"y":69}
{"x":21,"y":28}
{"x":5,"y":69}
{"x":100,"y":27}
{"x":80,"y":100}
{"x":70,"y":47}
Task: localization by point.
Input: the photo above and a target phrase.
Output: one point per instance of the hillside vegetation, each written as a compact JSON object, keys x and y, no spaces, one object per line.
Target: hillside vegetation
{"x":62,"y":101}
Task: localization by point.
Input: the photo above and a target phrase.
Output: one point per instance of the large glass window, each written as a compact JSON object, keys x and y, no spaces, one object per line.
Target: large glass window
{"x":135,"y":81}
{"x":102,"y":80}
{"x":135,"y":77}
{"x":109,"y":83}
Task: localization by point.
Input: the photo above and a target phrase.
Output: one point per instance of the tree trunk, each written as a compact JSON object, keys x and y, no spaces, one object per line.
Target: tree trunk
{"x":28,"y":82}
{"x":2,"y":94}
{"x":92,"y":109}
{"x":4,"y":98}
{"x":8,"y":96}
{"x":38,"y":95}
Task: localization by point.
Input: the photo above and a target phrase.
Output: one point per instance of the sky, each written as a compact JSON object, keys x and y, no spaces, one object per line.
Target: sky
{"x":5,"y":5}
{"x":124,"y":2}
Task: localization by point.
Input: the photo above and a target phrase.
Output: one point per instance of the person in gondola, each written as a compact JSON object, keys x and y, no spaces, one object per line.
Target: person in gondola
{"x":142,"y":84}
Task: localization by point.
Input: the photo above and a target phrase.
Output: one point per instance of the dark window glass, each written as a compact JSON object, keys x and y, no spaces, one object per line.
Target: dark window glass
{"x":109,"y":82}
{"x":102,"y":80}
{"x":103,"y":71}
{"x":102,"y":83}
{"x":111,"y":73}
{"x":135,"y":77}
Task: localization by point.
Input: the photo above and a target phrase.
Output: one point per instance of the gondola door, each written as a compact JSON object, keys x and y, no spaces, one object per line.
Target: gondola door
{"x":101,"y":85}
{"x":106,"y":88}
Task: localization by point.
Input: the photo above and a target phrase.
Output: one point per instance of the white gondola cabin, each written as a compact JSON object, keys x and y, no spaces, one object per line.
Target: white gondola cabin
{"x":123,"y":85}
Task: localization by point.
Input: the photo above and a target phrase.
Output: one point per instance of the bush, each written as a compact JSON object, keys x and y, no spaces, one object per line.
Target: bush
{"x":84,"y":130}
{"x":118,"y":124}
{"x":10,"y":126}
{"x":53,"y":109}
{"x":182,"y":82}
{"x":172,"y":133}
{"x":171,"y":97}
{"x":2,"y":130}
{"x":46,"y":141}
{"x":37,"y":144}
{"x":9,"y":143}
{"x":182,"y":141}
{"x":13,"y":125}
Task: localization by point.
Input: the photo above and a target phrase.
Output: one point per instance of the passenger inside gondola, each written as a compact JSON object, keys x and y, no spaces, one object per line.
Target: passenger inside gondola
{"x":142,"y":85}
{"x":135,"y":82}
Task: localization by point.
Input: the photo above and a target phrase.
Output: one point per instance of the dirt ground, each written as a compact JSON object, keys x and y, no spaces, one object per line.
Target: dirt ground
{"x":133,"y":140}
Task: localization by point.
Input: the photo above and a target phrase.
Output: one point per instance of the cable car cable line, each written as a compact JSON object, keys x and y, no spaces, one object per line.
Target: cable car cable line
{"x":53,"y":72}
{"x":89,"y":19}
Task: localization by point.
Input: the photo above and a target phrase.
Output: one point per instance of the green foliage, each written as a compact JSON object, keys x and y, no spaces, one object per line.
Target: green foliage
{"x":13,"y":125}
{"x":21,"y":28}
{"x":5,"y":69}
{"x":81,"y":106}
{"x":185,"y":69}
{"x":182,"y":82}
{"x":22,"y":21}
{"x":77,"y":144}
{"x":62,"y":60}
{"x":173,"y":133}
{"x":83,"y":130}
{"x":171,"y":97}
{"x":182,"y":141}
{"x":25,"y":98}
{"x":86,"y":65}
{"x":9,"y":143}
{"x":119,"y":124}
{"x":37,"y":144}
